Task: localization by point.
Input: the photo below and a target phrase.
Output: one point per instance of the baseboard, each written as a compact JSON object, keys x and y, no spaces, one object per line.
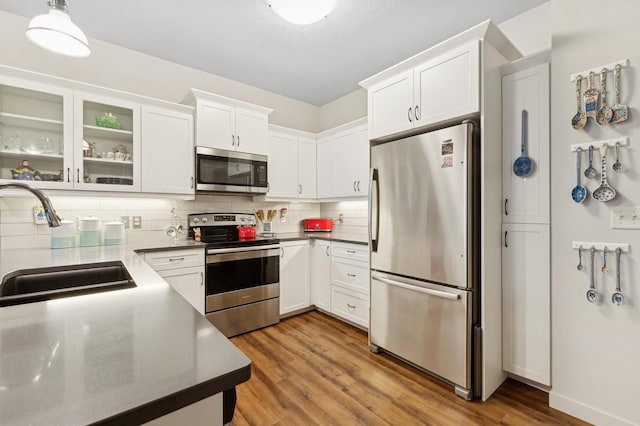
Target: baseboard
{"x":585,"y":412}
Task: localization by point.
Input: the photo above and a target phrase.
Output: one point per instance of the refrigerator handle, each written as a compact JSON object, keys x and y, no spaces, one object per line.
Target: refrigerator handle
{"x":374,"y":178}
{"x":430,"y":292}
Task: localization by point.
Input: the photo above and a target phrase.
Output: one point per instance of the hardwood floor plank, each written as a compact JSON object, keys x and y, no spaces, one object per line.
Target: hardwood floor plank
{"x":313,"y":369}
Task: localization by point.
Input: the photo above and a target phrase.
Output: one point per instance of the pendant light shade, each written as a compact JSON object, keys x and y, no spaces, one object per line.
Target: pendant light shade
{"x":302,"y":12}
{"x":55,"y":32}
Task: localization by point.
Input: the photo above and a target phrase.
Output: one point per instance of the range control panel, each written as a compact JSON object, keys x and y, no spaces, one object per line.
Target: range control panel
{"x":221,"y":219}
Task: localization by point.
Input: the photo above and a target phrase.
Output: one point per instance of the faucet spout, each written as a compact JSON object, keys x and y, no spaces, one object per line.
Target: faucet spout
{"x":52,"y":217}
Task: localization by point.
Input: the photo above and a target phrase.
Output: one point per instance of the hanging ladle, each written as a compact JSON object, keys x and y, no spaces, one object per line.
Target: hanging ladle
{"x":617,"y":297}
{"x":592,"y":294}
{"x":523,"y":165}
{"x":590,"y":172}
{"x":579,"y":192}
{"x":617,"y":166}
{"x":604,"y":192}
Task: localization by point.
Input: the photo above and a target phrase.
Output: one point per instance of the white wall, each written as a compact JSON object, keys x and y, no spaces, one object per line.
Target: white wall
{"x":124,"y":69}
{"x":595,"y":347}
{"x":343,"y":110}
{"x":530,"y":31}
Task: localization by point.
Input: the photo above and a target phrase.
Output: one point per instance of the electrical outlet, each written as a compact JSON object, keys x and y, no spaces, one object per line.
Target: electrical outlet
{"x":126,"y":220}
{"x":341,"y":218}
{"x":625,"y":217}
{"x":137,"y":222}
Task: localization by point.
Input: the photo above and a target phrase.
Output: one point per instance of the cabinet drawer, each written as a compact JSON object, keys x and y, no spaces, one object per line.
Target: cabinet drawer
{"x":350,"y":274}
{"x":350,"y":251}
{"x":350,"y":305}
{"x":172,"y":259}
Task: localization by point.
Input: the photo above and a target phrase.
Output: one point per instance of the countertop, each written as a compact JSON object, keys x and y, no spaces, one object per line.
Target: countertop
{"x":120,"y":357}
{"x":329,"y":236}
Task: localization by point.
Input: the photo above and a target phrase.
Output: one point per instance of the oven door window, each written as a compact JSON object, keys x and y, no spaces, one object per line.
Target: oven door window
{"x":241,"y":274}
{"x":216,"y":170}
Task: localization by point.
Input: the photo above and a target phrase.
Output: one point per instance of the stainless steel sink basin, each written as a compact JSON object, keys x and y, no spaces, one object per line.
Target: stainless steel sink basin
{"x":35,"y":285}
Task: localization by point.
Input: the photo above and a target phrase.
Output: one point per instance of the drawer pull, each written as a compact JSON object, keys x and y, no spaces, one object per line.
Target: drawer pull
{"x":351,"y":307}
{"x":351,"y":275}
{"x":176,"y":259}
{"x":351,"y":251}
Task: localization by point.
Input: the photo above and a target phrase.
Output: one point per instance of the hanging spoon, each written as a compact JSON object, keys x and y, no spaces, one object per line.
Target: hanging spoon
{"x":579,"y":267}
{"x":580,"y":119}
{"x":579,"y":192}
{"x":620,"y":112}
{"x":605,"y":113}
{"x":617,"y":297}
{"x":591,"y":98}
{"x":604,"y":192}
{"x":590,"y":172}
{"x":592,"y":294}
{"x":617,"y":166}
{"x":604,"y":268}
{"x":523,"y":165}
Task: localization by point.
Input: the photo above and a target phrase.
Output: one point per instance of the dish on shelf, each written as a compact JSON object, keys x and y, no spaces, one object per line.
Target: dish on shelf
{"x":109,"y":121}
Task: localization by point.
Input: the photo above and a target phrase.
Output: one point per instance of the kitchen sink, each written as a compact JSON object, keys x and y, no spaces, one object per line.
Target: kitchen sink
{"x":35,"y":285}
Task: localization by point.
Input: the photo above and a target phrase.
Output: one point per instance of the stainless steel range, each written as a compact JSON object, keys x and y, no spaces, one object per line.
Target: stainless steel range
{"x":242,"y":276}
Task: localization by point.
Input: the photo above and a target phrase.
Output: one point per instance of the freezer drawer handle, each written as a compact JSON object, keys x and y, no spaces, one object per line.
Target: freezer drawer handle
{"x":428,"y":291}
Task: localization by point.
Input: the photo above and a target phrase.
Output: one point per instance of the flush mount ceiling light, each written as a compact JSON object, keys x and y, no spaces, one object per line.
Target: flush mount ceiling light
{"x":302,"y":12}
{"x":55,"y":32}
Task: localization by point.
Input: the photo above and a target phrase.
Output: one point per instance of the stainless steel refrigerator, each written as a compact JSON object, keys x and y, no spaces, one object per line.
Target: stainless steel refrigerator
{"x":424,"y":217}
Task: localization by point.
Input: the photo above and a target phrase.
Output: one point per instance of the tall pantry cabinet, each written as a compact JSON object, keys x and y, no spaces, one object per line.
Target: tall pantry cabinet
{"x":526,"y":275}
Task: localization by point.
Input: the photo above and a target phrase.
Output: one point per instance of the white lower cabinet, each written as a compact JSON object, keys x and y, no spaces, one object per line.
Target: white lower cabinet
{"x":350,"y":279}
{"x":321,"y":274}
{"x":184,"y":271}
{"x":526,"y":293}
{"x":294,"y":276}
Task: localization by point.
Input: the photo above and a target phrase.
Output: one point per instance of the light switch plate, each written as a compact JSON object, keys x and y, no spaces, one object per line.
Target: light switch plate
{"x":625,"y":217}
{"x":126,"y":221}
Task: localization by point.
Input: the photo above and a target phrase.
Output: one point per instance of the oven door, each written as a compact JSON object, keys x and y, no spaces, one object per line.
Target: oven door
{"x":239,"y":276}
{"x":218,"y":170}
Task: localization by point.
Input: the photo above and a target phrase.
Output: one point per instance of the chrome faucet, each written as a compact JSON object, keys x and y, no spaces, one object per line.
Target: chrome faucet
{"x":49,"y":212}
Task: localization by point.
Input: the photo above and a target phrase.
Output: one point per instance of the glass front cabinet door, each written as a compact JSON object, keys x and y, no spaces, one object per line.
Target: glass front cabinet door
{"x":106,"y":144}
{"x":36,"y":134}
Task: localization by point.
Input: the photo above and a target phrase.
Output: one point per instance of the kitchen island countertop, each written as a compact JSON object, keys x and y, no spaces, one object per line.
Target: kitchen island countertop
{"x":119,"y":357}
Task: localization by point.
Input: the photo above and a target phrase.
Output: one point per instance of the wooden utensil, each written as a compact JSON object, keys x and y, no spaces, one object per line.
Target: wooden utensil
{"x":605,"y":113}
{"x":523,"y":166}
{"x":604,"y":192}
{"x":620,"y":112}
{"x":580,"y":119}
{"x":591,"y":98}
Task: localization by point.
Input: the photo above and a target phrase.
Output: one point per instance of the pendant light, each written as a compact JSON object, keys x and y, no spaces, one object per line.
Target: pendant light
{"x":302,"y":12}
{"x":55,"y":32}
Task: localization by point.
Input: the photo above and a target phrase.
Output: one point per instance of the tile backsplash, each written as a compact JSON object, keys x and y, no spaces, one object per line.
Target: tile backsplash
{"x":17,"y":228}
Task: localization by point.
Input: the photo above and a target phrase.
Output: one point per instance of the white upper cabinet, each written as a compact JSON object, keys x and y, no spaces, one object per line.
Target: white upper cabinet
{"x":343,"y":162}
{"x":167,"y":151}
{"x":292,"y":164}
{"x":229,"y":124}
{"x":36,"y":125}
{"x":442,"y":88}
{"x":106,"y":155}
{"x":526,"y":199}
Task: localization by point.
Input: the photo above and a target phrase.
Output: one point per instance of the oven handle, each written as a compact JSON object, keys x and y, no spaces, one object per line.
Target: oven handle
{"x":242,"y":249}
{"x":241,"y":255}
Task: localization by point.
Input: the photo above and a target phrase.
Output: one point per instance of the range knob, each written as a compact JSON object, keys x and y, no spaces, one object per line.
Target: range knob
{"x":205,"y":220}
{"x":195,"y":220}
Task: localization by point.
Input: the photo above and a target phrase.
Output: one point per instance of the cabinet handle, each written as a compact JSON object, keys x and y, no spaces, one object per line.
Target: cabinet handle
{"x":238,"y":138}
{"x":505,"y":239}
{"x":68,"y":174}
{"x":192,"y":182}
{"x":354,"y":186}
{"x":351,"y":307}
{"x":409,"y":115}
{"x":176,"y":259}
{"x":351,"y":275}
{"x":417,"y":113}
{"x":300,"y":189}
{"x":351,"y":251}
{"x":233,"y":140}
{"x":506,"y":212}
{"x":358,"y":186}
{"x":201,"y":278}
{"x":78,"y":176}
{"x":282,"y":252}
{"x":326,"y":250}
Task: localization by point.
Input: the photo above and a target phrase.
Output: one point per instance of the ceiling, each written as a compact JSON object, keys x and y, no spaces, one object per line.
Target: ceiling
{"x":245,"y":41}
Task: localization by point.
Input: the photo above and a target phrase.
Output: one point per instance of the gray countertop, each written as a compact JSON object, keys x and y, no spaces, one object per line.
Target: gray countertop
{"x":330,"y":236}
{"x":124,"y":356}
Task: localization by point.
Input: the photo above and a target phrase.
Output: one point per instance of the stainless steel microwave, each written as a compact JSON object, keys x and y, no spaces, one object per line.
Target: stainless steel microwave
{"x":221,"y":171}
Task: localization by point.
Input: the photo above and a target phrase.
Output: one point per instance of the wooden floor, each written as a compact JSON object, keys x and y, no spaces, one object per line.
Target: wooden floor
{"x":313,"y":369}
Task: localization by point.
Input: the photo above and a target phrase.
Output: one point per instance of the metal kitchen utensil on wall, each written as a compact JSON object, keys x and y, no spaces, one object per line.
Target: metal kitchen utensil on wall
{"x":579,"y":192}
{"x":604,"y":192}
{"x":580,"y":118}
{"x":523,"y":165}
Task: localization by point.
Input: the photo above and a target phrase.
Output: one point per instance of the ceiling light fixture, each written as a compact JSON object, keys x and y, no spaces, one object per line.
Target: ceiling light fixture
{"x":55,"y":32}
{"x":302,"y":12}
